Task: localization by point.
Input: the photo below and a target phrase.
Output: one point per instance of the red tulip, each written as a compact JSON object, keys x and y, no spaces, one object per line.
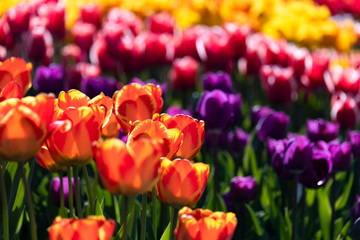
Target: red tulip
{"x":183,"y":73}
{"x":344,"y":110}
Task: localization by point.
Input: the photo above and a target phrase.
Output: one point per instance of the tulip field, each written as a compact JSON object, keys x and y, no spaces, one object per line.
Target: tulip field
{"x":179,"y":119}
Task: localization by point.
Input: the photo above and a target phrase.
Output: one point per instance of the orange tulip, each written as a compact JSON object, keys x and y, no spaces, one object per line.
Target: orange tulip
{"x":111,"y":128}
{"x":128,"y":169}
{"x":10,"y":90}
{"x":24,"y":125}
{"x":205,"y":225}
{"x":150,"y":129}
{"x":192,"y":129}
{"x":90,"y":228}
{"x":45,"y":160}
{"x":182,"y":182}
{"x":17,"y":70}
{"x":135,"y":102}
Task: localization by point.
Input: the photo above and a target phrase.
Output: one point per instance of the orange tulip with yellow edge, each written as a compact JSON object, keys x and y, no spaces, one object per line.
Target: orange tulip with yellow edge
{"x":202,"y":224}
{"x":128,"y":169}
{"x":16,"y":70}
{"x":182,"y":182}
{"x":24,"y":125}
{"x":90,"y":228}
{"x":150,"y":129}
{"x":111,"y":128}
{"x":44,"y":158}
{"x":136,"y":103}
{"x":191,"y":128}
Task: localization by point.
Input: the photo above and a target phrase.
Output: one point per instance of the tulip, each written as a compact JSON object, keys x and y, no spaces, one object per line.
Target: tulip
{"x":161,"y":23}
{"x":243,"y":189}
{"x":70,"y":54}
{"x":181,"y":182}
{"x":322,"y":130}
{"x":10,"y":90}
{"x":112,"y":128}
{"x":31,"y":117}
{"x":100,"y":55}
{"x":49,"y":79}
{"x":279,"y":84}
{"x":126,"y":17}
{"x":91,"y":228}
{"x":43,"y":157}
{"x":39,"y":44}
{"x":54,"y":13}
{"x":354,"y":137}
{"x":220,"y":141}
{"x":276,"y":155}
{"x":298,"y":154}
{"x":18,"y":18}
{"x":342,"y":79}
{"x":186,"y":44}
{"x":257,"y":113}
{"x":218,"y":109}
{"x":355,"y":210}
{"x":159,"y":48}
{"x":315,"y":66}
{"x":297,"y":57}
{"x":183,"y":73}
{"x":276,"y":53}
{"x":135,"y":102}
{"x":16,"y":69}
{"x":163,"y":86}
{"x":90,"y":13}
{"x":93,"y":86}
{"x":205,"y":225}
{"x":272,"y":125}
{"x":55,"y":190}
{"x":6,"y":39}
{"x":131,"y":168}
{"x":149,"y":129}
{"x":341,"y":155}
{"x":237,"y":141}
{"x":344,"y":110}
{"x":254,"y":58}
{"x":3,"y":53}
{"x":131,"y":53}
{"x":175,"y":110}
{"x":83,"y":33}
{"x":219,"y":80}
{"x":115,"y":33}
{"x":238,"y":35}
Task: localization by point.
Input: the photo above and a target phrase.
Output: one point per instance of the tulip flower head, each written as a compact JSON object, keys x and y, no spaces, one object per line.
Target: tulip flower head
{"x":44,"y":158}
{"x":219,"y":80}
{"x":90,"y":228}
{"x":298,"y":154}
{"x":354,"y":137}
{"x":131,"y":168}
{"x":55,"y":190}
{"x":182,"y":182}
{"x":205,"y":225}
{"x":322,"y":130}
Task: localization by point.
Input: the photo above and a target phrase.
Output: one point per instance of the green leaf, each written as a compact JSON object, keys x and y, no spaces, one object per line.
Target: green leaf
{"x":324,"y":213}
{"x":166,"y":234}
{"x":215,"y":202}
{"x":255,"y":221}
{"x":99,"y":207}
{"x":342,"y":200}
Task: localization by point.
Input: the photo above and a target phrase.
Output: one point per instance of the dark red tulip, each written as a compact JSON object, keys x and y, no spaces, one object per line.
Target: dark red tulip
{"x":183,"y":73}
{"x":161,"y":23}
{"x":83,"y":34}
{"x":90,"y":13}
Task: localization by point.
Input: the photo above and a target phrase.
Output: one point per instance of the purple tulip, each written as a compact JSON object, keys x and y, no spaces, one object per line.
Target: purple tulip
{"x":216,"y":110}
{"x":258,"y":112}
{"x":55,"y":190}
{"x":322,"y":130}
{"x":93,"y":86}
{"x":237,"y":141}
{"x":341,"y":155}
{"x":221,"y":140}
{"x":354,"y":137}
{"x":219,"y":80}
{"x":298,"y":154}
{"x":243,"y":189}
{"x":273,"y":125}
{"x":175,"y":110}
{"x":49,"y":79}
{"x":355,"y":210}
{"x":276,"y":155}
{"x":229,"y":203}
{"x":319,"y":171}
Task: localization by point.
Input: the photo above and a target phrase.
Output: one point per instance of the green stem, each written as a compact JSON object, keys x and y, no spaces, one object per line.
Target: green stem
{"x":4,"y":202}
{"x":77,"y":192}
{"x":90,"y":191}
{"x":143,"y":216}
{"x":216,"y":169}
{"x":173,"y":222}
{"x":294,"y":207}
{"x":332,"y":199}
{"x":29,"y":203}
{"x":71,"y":204}
{"x":61,"y":195}
{"x":124,"y":217}
{"x":302,"y":213}
{"x":153,"y":211}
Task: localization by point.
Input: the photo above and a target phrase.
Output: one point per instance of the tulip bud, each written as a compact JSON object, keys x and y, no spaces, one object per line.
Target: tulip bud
{"x":126,"y":17}
{"x":93,"y":86}
{"x":297,"y":57}
{"x":258,"y":112}
{"x":132,"y":54}
{"x":18,"y":18}
{"x":55,"y":190}
{"x":99,"y":55}
{"x":315,"y":66}
{"x":183,"y":73}
{"x":276,"y":155}
{"x":238,"y":35}
{"x":272,"y":125}
{"x":354,"y":137}
{"x":279,"y":84}
{"x":176,"y":110}
{"x":341,"y":155}
{"x":342,"y":79}
{"x":355,"y":210}
{"x":3,"y":53}
{"x":159,"y":48}
{"x":186,"y":44}
{"x":219,"y":80}
{"x":6,"y":39}
{"x":83,"y":35}
{"x":276,"y":52}
{"x":205,"y":225}
{"x":254,"y":56}
{"x":70,"y":54}
{"x":161,"y":23}
{"x":344,"y":110}
{"x":49,"y":79}
{"x":243,"y":189}
{"x":55,"y":15}
{"x":38,"y":42}
{"x":237,"y":142}
{"x":298,"y":154}
{"x":322,"y":130}
{"x":90,"y":13}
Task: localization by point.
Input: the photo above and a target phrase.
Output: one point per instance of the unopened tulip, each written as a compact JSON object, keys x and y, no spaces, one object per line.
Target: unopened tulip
{"x":6,"y":39}
{"x":70,"y":54}
{"x":91,"y":228}
{"x":344,"y":110}
{"x":83,"y":34}
{"x":354,"y":137}
{"x":297,"y":57}
{"x":18,"y":18}
{"x":321,"y":129}
{"x":315,"y":66}
{"x":243,"y":189}
{"x":181,"y":182}
{"x":128,"y":169}
{"x":237,"y":141}
{"x":186,"y":44}
{"x":93,"y":86}
{"x":341,"y":155}
{"x":55,"y":190}
{"x":100,"y":55}
{"x":219,"y":80}
{"x":49,"y":79}
{"x":126,"y":17}
{"x":159,"y":48}
{"x":238,"y":35}
{"x":161,"y":23}
{"x":273,"y":125}
{"x":175,"y":110}
{"x":44,"y":158}
{"x":205,"y":225}
{"x":90,"y":13}
{"x":54,"y":13}
{"x":257,"y":113}
{"x":276,"y":155}
{"x":38,"y":43}
{"x":183,"y":73}
{"x":343,"y":79}
{"x":298,"y":154}
{"x":16,"y":69}
{"x":135,"y":102}
{"x":131,"y":53}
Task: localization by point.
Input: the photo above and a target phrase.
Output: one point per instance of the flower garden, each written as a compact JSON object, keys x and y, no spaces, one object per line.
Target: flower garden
{"x":179,"y":119}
